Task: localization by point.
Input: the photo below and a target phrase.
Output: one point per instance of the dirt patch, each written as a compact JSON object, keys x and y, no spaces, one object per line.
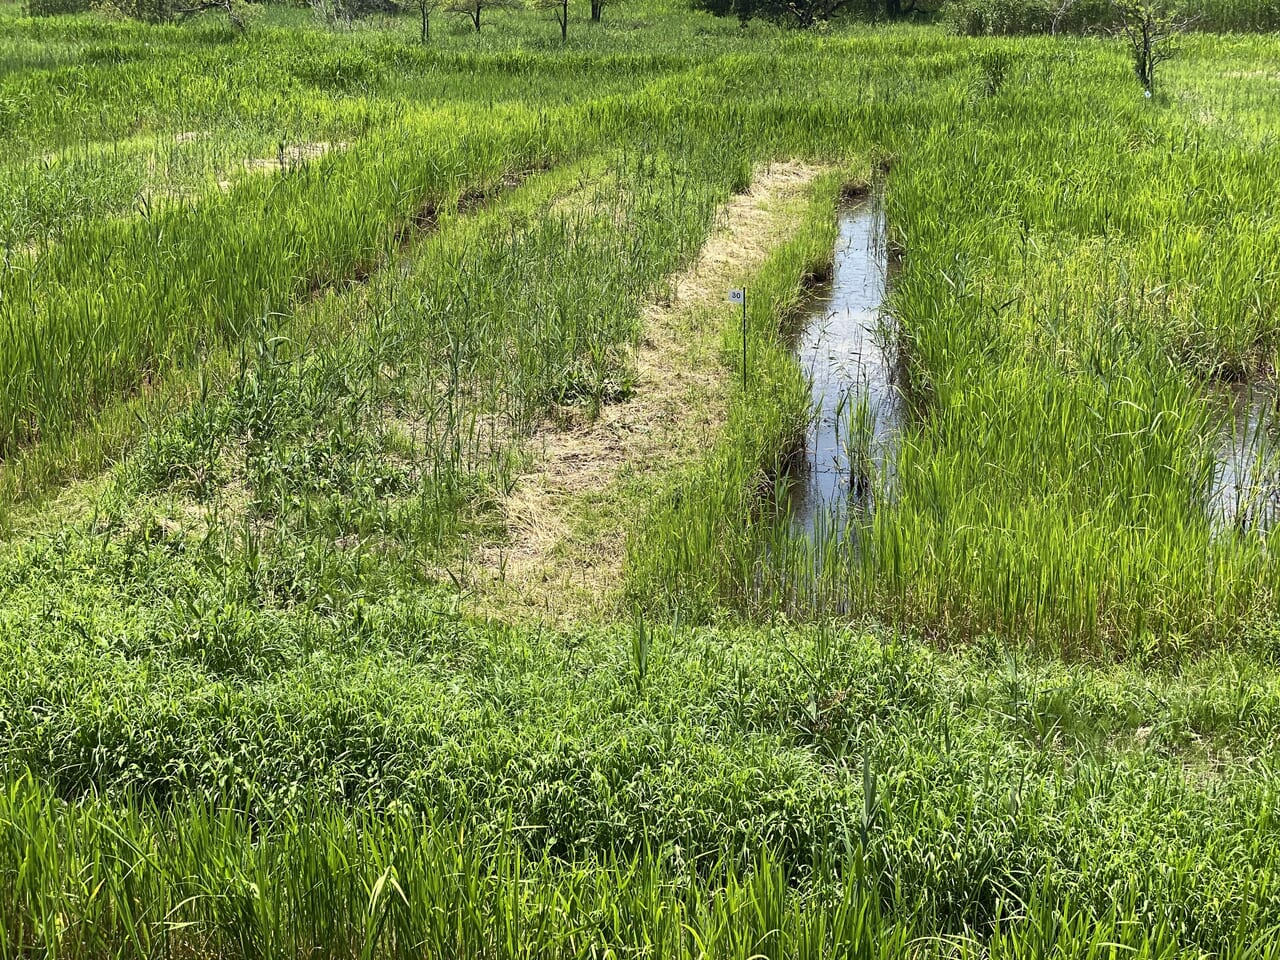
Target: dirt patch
{"x":1251,"y":75}
{"x":287,"y":157}
{"x":566,"y":516}
{"x":292,"y":155}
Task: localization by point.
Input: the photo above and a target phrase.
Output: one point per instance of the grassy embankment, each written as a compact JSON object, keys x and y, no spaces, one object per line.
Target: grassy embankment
{"x":252,"y":703}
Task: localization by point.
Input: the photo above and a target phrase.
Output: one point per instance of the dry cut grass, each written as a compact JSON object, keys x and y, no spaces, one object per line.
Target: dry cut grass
{"x":566,"y":516}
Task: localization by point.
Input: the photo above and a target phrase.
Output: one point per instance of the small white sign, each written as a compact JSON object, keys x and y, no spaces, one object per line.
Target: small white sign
{"x":737,"y":296}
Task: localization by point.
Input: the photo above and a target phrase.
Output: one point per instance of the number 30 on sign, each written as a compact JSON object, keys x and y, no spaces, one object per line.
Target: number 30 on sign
{"x":737,"y":296}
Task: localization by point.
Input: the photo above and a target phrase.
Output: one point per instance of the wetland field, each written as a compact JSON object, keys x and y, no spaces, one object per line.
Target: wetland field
{"x":408,"y":550}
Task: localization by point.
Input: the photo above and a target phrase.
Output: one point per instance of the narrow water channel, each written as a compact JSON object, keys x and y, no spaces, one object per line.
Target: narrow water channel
{"x":857,"y":406}
{"x":1245,"y":493}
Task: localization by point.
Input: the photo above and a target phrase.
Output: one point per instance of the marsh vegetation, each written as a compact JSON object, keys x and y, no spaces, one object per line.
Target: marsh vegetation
{"x":396,"y":561}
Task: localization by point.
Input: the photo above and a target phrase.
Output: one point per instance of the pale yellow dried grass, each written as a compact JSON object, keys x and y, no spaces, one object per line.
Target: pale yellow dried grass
{"x":565,"y":517}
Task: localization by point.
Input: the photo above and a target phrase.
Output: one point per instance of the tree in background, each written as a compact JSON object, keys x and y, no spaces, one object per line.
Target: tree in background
{"x":597,"y":10}
{"x":893,"y":9}
{"x":427,"y":8}
{"x":560,"y":10}
{"x":1061,"y":10}
{"x":1150,"y":27}
{"x":475,"y":8}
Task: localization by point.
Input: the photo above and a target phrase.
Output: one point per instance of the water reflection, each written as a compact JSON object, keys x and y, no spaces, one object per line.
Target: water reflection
{"x":1245,"y":494}
{"x":857,"y":406}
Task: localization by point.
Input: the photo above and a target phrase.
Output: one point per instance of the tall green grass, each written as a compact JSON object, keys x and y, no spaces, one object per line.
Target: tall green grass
{"x":94,"y":882}
{"x":83,"y":328}
{"x":244,"y":712}
{"x":1069,"y":292}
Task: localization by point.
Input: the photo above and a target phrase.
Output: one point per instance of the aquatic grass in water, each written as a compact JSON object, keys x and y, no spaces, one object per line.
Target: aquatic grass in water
{"x":1245,"y":490}
{"x":848,"y":448}
{"x":1054,"y":319}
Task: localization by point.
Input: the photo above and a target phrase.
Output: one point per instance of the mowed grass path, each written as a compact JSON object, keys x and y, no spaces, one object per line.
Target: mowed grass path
{"x":251,"y":702}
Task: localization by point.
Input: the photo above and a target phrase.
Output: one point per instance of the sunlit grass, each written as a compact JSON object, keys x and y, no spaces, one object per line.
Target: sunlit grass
{"x":1024,"y":705}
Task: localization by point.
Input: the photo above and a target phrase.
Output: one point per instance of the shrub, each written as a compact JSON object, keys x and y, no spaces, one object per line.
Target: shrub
{"x":239,"y":13}
{"x":343,"y":12}
{"x":1006,"y":17}
{"x":1009,"y":17}
{"x":53,"y":8}
{"x":147,"y":11}
{"x":808,"y":13}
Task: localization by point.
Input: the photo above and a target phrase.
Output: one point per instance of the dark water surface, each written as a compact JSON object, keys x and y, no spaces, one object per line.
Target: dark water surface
{"x":842,"y":347}
{"x":1245,"y":493}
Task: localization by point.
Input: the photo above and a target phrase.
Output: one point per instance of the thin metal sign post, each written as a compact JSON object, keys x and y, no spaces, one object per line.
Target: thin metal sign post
{"x":740,"y":297}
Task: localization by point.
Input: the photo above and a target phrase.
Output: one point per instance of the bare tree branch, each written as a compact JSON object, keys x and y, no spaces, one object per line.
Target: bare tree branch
{"x":475,"y":8}
{"x":809,"y":12}
{"x":1063,"y":9}
{"x":560,"y":10}
{"x":1150,"y":27}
